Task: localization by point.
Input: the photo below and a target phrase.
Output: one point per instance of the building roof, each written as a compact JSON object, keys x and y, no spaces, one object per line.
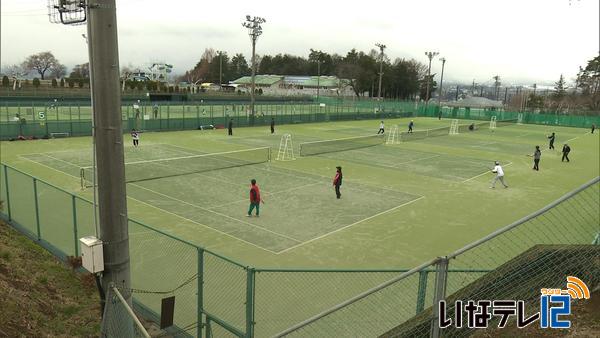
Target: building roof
{"x":259,"y":79}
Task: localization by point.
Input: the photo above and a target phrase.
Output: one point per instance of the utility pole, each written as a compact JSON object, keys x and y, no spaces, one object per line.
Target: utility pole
{"x":107,"y":131}
{"x":253,"y":24}
{"x":430,"y":55}
{"x":381,"y":49}
{"x":496,"y":85}
{"x":220,"y":69}
{"x":441,"y":82}
{"x":108,"y":135}
{"x":318,"y":77}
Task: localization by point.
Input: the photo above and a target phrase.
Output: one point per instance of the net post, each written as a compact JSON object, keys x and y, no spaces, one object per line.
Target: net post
{"x":200,"y":292}
{"x":7,"y":193}
{"x":441,"y":277}
{"x":82,"y":178}
{"x":250,"y":279}
{"x":75,"y":235}
{"x":37,"y":209}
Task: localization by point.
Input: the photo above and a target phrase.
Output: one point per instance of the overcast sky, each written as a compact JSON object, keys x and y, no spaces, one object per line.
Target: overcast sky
{"x":523,"y":41}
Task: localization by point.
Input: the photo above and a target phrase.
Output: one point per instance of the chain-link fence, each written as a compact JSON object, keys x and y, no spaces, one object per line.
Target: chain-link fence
{"x":60,"y":119}
{"x":219,"y":297}
{"x":118,"y":319}
{"x":514,"y":262}
{"x":558,"y":119}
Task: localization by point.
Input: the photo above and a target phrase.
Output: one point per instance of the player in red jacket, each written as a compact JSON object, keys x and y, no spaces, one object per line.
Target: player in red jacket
{"x":337,"y":181}
{"x":254,"y":198}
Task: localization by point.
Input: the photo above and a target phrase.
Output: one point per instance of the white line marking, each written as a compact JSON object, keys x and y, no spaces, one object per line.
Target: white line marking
{"x":419,"y":159}
{"x":487,"y":172}
{"x":67,"y":162}
{"x":39,"y":163}
{"x":266,"y":193}
{"x":204,"y":225}
{"x":215,"y":212}
{"x":349,"y":225}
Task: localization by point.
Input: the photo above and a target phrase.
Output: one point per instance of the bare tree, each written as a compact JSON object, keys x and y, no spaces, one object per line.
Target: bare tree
{"x":58,"y":71}
{"x":16,"y":73}
{"x":41,"y":63}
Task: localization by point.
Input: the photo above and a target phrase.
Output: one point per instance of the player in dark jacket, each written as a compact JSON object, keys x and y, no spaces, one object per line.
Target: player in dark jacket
{"x":272,"y":125}
{"x":337,"y":182}
{"x":230,"y":128}
{"x":566,"y":150}
{"x":551,"y":138}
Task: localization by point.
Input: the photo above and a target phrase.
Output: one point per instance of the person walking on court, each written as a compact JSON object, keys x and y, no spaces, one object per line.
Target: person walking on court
{"x":551,"y":138}
{"x":410,"y":126}
{"x":593,"y":127}
{"x":230,"y":128}
{"x":254,"y":199}
{"x":537,"y":154}
{"x":337,"y":181}
{"x":499,"y":175}
{"x":381,"y":128}
{"x":565,"y":151}
{"x":272,"y":125}
{"x":136,"y":137}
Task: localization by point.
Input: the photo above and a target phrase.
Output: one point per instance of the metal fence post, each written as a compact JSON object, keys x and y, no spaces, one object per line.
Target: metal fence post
{"x":422,"y":291}
{"x":250,"y":302}
{"x":200,"y":291}
{"x":37,"y":209}
{"x":75,"y":235}
{"x":7,"y":194}
{"x":441,"y":277}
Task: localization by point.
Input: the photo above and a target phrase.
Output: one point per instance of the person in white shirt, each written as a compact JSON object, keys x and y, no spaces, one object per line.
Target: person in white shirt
{"x":499,"y":175}
{"x":135,"y":135}
{"x":381,"y":128}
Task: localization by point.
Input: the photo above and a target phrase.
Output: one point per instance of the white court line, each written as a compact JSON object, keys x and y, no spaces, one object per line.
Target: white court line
{"x":215,"y":212}
{"x":487,"y":172}
{"x":204,"y":225}
{"x":67,"y":162}
{"x":39,"y":163}
{"x":349,"y":225}
{"x":420,"y":159}
{"x":266,"y":193}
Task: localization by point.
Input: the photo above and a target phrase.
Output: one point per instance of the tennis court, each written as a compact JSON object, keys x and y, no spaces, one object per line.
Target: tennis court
{"x":194,"y":185}
{"x":212,"y":191}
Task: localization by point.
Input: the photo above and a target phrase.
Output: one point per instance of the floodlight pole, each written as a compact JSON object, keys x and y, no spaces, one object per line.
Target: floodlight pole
{"x":381,"y":49}
{"x":430,"y":55}
{"x":220,"y":69}
{"x":108,"y":136}
{"x":318,"y":76}
{"x":441,"y":82}
{"x":254,"y":31}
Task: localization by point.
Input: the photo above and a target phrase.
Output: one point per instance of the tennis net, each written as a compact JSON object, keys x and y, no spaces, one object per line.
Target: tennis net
{"x":340,"y":144}
{"x":137,"y":171}
{"x":422,"y":134}
{"x":504,"y":123}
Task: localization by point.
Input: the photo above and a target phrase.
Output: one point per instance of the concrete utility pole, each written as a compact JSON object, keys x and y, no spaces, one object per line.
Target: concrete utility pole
{"x":220,"y":69}
{"x":441,"y":82}
{"x":496,"y":85}
{"x":381,"y":49}
{"x":254,"y":31}
{"x":430,"y":55}
{"x":108,"y":135}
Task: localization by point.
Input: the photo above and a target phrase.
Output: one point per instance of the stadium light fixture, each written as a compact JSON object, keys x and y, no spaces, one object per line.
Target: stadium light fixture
{"x":381,"y":49}
{"x":430,"y":55}
{"x":253,"y":24}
